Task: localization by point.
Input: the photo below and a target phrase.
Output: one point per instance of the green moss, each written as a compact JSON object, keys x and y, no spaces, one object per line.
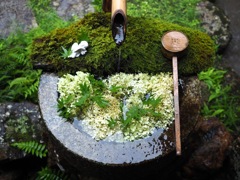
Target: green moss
{"x":19,"y":129}
{"x":141,"y":51}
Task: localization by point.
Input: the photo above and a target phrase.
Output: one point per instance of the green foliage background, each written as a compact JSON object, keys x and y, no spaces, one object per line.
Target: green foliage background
{"x":175,"y":11}
{"x":18,"y":79}
{"x":222,"y":102}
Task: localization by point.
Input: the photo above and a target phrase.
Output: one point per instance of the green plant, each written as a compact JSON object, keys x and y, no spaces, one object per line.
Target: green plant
{"x":19,"y":129}
{"x":66,"y":53}
{"x":47,"y":18}
{"x":221,"y":102}
{"x":97,"y":5}
{"x":18,"y":80}
{"x":91,"y":93}
{"x":180,"y":12}
{"x":32,"y":147}
{"x":51,"y":174}
{"x":40,"y":150}
{"x":136,"y":112}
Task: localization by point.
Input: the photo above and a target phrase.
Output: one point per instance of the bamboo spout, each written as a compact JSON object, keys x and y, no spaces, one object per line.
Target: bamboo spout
{"x":118,"y":18}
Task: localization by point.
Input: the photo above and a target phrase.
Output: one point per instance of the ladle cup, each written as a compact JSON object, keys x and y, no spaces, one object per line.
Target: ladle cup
{"x":174,"y":46}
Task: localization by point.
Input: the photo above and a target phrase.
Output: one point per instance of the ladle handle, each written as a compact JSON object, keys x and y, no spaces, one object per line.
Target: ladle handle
{"x":176,"y":105}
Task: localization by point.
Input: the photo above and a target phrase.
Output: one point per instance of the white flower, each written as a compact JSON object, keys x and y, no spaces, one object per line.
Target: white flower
{"x":133,"y":89}
{"x":84,"y":44}
{"x":78,"y":49}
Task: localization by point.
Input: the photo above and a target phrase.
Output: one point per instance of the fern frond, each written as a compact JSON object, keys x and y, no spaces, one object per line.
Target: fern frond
{"x":32,"y":147}
{"x":33,"y":88}
{"x":20,"y":58}
{"x":19,"y":81}
{"x":47,"y":173}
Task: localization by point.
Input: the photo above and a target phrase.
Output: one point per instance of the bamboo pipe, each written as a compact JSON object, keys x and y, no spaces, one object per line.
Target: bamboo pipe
{"x":119,"y":5}
{"x":119,"y":20}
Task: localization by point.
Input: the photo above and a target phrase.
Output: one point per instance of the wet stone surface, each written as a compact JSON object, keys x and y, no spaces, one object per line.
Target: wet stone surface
{"x":80,"y":149}
{"x":100,"y":151}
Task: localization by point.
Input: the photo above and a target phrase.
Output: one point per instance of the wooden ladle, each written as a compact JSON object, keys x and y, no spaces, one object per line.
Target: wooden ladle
{"x":175,"y":44}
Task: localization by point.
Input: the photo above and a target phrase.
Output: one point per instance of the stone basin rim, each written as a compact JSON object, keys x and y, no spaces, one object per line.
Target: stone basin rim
{"x":80,"y":143}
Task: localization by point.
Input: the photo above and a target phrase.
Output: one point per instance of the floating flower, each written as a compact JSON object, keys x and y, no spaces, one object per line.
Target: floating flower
{"x":78,"y":49}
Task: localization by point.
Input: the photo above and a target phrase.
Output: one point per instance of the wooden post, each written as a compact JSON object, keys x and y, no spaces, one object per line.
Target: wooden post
{"x":107,"y":5}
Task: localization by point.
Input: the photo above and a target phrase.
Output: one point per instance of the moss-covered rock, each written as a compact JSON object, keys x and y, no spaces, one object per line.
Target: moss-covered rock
{"x":140,"y":52}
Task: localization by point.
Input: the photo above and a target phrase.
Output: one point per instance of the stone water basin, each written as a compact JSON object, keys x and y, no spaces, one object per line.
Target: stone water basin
{"x":78,"y":150}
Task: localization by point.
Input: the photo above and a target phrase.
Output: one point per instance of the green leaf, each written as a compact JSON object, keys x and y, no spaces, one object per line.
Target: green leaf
{"x":32,"y":147}
{"x":66,"y":52}
{"x":85,"y":95}
{"x":97,"y":85}
{"x":115,"y":89}
{"x":63,"y":104}
{"x":217,"y":112}
{"x":18,"y":81}
{"x":152,"y":102}
{"x":112,"y":123}
{"x":101,"y":102}
{"x":82,"y":100}
{"x":85,"y":89}
{"x":134,"y":112}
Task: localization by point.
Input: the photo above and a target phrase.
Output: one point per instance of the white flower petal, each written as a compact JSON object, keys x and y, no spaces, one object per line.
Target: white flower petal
{"x":74,"y":47}
{"x":83,"y":52}
{"x":83,"y":44}
{"x":77,"y":54}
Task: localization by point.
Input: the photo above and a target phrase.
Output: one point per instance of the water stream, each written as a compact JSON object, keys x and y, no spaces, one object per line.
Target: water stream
{"x":119,"y":59}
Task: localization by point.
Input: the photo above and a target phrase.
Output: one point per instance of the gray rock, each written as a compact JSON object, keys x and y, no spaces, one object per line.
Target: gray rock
{"x":19,"y":122}
{"x":15,"y":15}
{"x":235,"y":159}
{"x":215,"y":23}
{"x":72,"y":9}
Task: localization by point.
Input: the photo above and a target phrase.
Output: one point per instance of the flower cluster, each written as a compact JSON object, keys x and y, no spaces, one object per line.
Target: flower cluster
{"x":78,"y":49}
{"x":138,"y":104}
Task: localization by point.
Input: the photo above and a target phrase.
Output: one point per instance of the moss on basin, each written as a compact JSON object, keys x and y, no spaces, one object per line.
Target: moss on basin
{"x":141,"y":51}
